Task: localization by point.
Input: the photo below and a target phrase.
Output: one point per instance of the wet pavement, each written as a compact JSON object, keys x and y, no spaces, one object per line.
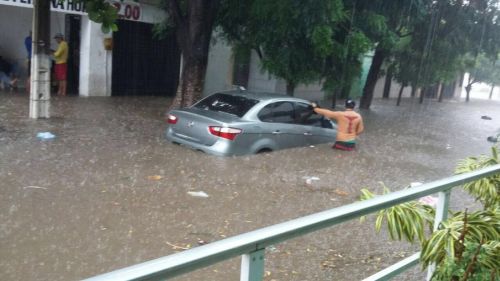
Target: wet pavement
{"x":109,"y":191}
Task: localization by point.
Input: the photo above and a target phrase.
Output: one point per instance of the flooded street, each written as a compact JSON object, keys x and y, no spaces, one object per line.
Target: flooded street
{"x":109,"y":191}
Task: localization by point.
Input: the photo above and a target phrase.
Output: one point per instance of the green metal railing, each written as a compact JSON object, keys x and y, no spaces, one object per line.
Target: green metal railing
{"x":251,"y":245}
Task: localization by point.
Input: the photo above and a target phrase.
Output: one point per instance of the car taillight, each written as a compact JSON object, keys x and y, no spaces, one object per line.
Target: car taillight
{"x":172,"y":119}
{"x":224,"y":132}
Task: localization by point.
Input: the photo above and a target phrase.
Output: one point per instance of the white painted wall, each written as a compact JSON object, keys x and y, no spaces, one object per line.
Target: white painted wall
{"x":219,"y":69}
{"x":15,"y":24}
{"x":258,"y":79}
{"x":262,"y":81}
{"x":394,"y":92}
{"x":95,"y":61}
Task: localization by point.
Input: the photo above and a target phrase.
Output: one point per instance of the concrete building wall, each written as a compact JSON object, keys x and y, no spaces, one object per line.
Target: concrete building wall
{"x":219,"y":69}
{"x":394,"y":92}
{"x":260,"y":80}
{"x":95,"y":61}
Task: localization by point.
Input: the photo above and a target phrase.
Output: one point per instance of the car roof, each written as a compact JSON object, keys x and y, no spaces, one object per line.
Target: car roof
{"x":261,"y":96}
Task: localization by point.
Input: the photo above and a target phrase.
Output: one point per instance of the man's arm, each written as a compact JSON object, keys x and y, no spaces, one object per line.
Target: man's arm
{"x":324,"y":112}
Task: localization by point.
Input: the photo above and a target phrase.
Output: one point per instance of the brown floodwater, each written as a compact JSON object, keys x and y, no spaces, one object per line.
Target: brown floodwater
{"x":109,"y":191}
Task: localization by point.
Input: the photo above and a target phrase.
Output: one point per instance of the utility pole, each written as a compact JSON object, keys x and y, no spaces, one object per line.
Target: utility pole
{"x":40,"y":62}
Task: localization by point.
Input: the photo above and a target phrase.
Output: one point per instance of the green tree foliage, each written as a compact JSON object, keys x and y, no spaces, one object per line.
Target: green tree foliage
{"x":292,"y":38}
{"x":487,"y":70}
{"x":343,"y":65}
{"x":449,"y":40}
{"x":464,"y":247}
{"x":102,"y":12}
{"x":385,"y":23}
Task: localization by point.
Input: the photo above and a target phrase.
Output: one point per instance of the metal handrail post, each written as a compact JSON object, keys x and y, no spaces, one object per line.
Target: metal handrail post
{"x":395,"y":269}
{"x":252,"y":266}
{"x":441,"y":215}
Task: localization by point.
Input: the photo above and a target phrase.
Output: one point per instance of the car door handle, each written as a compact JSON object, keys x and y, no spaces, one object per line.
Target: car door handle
{"x":308,"y":134}
{"x":276,"y":132}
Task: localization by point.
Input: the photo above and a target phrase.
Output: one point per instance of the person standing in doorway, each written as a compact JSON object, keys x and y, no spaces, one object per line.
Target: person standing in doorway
{"x":27,"y":44}
{"x":349,"y":124}
{"x":61,"y":67}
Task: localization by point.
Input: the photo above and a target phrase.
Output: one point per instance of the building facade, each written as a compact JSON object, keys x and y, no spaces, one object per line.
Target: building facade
{"x":127,"y":62}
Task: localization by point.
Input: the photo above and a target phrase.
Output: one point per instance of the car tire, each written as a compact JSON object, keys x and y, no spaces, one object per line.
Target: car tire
{"x":264,"y":150}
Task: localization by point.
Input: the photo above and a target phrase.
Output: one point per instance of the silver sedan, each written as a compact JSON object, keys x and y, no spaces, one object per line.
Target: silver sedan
{"x":244,"y":122}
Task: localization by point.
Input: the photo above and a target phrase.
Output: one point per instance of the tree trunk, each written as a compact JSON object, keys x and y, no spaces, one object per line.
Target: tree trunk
{"x":423,"y":92}
{"x":413,"y":91}
{"x":400,"y":94}
{"x":388,"y":83}
{"x":334,"y":99}
{"x":191,"y":83}
{"x":491,"y":91}
{"x":371,"y":81}
{"x":468,"y":88}
{"x":346,"y":90}
{"x":290,"y":88}
{"x":194,"y":32}
{"x":440,"y":92}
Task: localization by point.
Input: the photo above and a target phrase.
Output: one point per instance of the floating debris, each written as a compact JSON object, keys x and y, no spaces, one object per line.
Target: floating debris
{"x":198,"y":194}
{"x":309,"y":179}
{"x":414,"y":184}
{"x":155,"y":178}
{"x":494,"y":139}
{"x":35,"y":187}
{"x":341,"y":192}
{"x":177,"y":247}
{"x":45,"y":135}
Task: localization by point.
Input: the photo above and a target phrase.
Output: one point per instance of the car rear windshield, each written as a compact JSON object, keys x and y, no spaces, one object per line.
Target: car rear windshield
{"x":235,"y":105}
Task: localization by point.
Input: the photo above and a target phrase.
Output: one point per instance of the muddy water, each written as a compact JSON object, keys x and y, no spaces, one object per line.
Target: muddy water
{"x":109,"y":191}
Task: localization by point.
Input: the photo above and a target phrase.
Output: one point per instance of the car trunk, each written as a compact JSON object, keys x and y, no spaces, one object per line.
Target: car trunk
{"x":193,"y":124}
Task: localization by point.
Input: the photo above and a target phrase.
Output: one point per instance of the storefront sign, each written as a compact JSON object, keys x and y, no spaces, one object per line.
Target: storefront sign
{"x":127,"y":10}
{"x":66,"y":6}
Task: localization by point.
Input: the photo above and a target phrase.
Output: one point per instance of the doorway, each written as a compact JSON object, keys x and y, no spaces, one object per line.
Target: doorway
{"x":142,"y":64}
{"x":73,"y":31}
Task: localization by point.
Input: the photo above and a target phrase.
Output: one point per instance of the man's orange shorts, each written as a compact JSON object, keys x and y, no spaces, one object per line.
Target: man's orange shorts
{"x":61,"y":70}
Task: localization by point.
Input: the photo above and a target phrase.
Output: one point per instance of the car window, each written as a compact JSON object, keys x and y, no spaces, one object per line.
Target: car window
{"x":278,"y":112}
{"x":235,"y":105}
{"x":304,"y":115}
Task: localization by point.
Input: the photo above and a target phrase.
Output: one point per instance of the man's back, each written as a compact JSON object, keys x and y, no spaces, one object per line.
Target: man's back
{"x":349,"y":123}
